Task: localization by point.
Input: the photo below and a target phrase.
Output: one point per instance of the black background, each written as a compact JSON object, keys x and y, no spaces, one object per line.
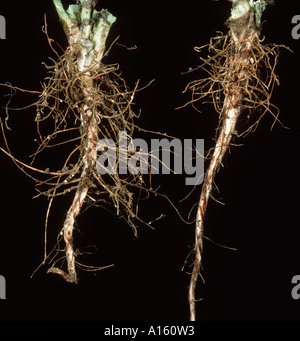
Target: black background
{"x":259,"y":183}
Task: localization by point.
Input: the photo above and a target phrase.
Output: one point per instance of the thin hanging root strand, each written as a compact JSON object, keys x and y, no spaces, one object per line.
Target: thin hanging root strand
{"x":235,"y":83}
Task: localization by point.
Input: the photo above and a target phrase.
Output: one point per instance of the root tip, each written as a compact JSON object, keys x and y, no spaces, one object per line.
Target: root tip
{"x":70,"y":278}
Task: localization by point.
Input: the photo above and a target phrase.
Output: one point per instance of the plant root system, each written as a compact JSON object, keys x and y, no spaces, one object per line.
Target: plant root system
{"x":82,"y":101}
{"x":241,"y":78}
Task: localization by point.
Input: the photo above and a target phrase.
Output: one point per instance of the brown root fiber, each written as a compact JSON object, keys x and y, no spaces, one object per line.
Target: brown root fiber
{"x":241,"y":78}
